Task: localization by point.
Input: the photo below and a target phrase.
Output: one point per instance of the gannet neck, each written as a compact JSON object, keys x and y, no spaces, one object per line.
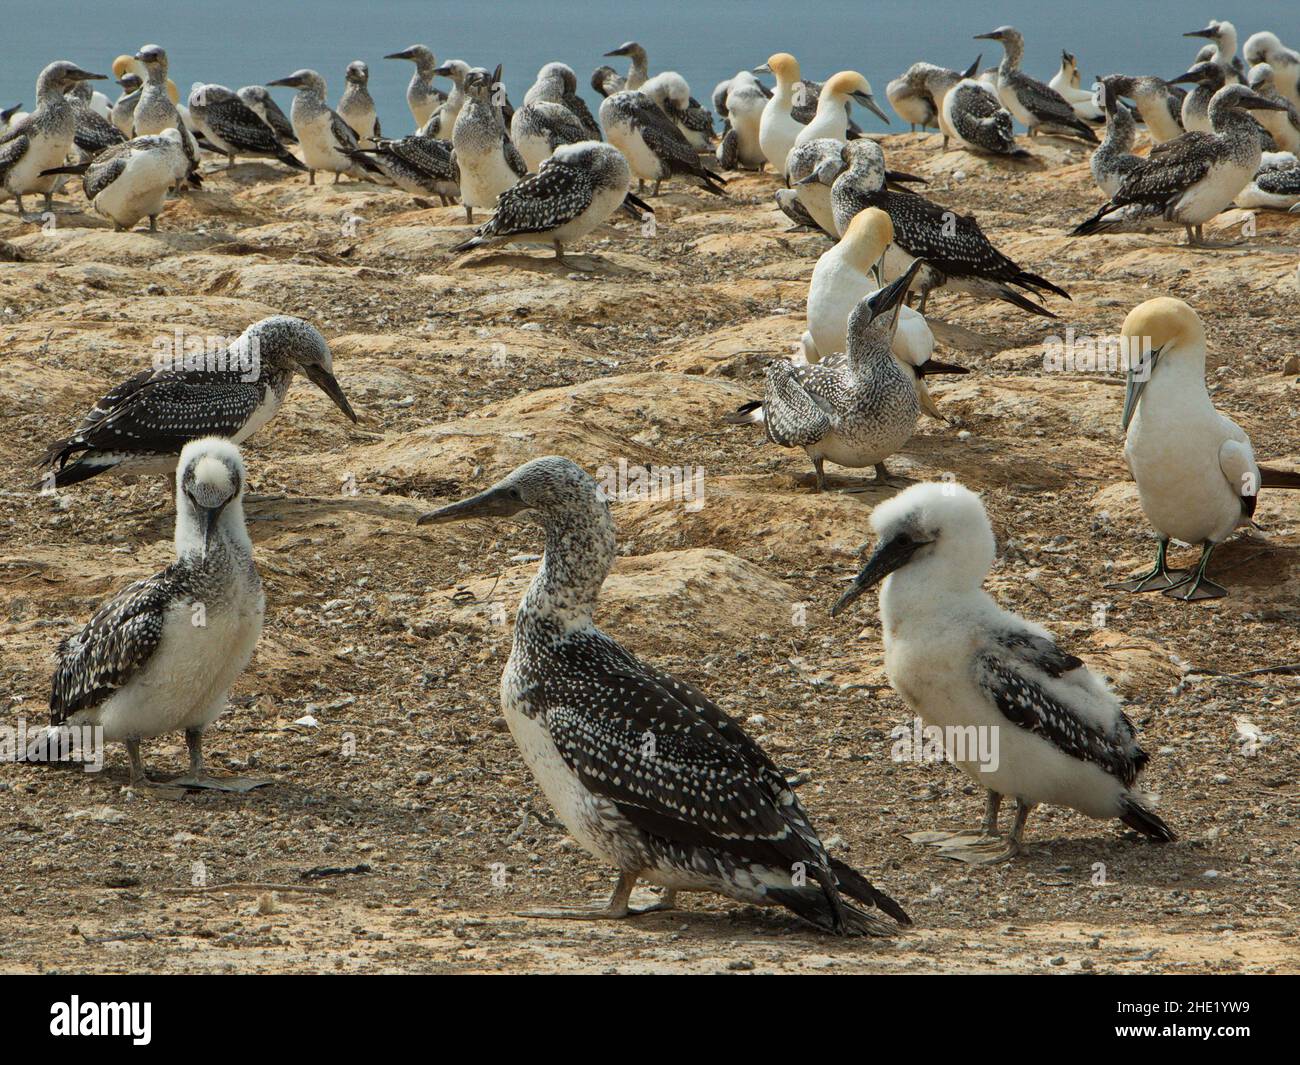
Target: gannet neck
{"x":580,"y":549}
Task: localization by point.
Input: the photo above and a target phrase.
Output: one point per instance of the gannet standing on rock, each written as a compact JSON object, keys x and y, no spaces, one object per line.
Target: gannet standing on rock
{"x":962,"y":662}
{"x":645,"y":772}
{"x":1283,"y":125}
{"x":831,"y":119}
{"x":638,"y":72}
{"x":421,"y":97}
{"x":656,"y":149}
{"x":1266,"y":48}
{"x":955,"y":251}
{"x":575,"y":190}
{"x":325,"y":140}
{"x":356,"y":107}
{"x":234,"y":128}
{"x":670,"y":91}
{"x":1195,"y":470}
{"x":42,"y":139}
{"x":1223,"y":42}
{"x":1187,"y":181}
{"x":1276,"y":185}
{"x":142,"y":424}
{"x":489,"y":162}
{"x":262,"y":104}
{"x":742,"y":105}
{"x":1114,"y":160}
{"x":843,"y":276}
{"x":543,"y":122}
{"x":422,"y":166}
{"x":1035,"y":105}
{"x":778,"y":128}
{"x":162,"y":654}
{"x":855,"y":409}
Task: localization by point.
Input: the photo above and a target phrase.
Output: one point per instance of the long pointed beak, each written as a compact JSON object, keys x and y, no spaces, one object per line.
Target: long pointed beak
{"x":208,"y":525}
{"x":888,"y":556}
{"x":892,"y":295}
{"x":973,"y":69}
{"x":85,"y":75}
{"x":496,"y":502}
{"x":764,"y":69}
{"x":326,"y":382}
{"x":1255,"y":102}
{"x":987,"y":37}
{"x":1139,"y":377}
{"x":288,"y":83}
{"x":633,"y":203}
{"x":869,"y":102}
{"x":405,"y":53}
{"x":1207,"y":34}
{"x":1190,"y":78}
{"x":616,"y":51}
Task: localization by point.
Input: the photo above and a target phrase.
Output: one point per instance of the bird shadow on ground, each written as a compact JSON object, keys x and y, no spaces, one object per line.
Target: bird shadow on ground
{"x":546,"y":264}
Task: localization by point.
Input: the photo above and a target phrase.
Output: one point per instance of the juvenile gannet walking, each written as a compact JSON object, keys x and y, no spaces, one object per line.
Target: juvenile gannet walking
{"x":489,"y":162}
{"x":638,"y":72}
{"x":648,"y":774}
{"x":421,"y":97}
{"x":233,"y":128}
{"x":1276,"y":185}
{"x":1187,"y":181}
{"x":163,"y":653}
{"x":1033,"y":104}
{"x":831,"y":119}
{"x":43,"y":138}
{"x":422,"y":166}
{"x":1059,"y":734}
{"x":1195,"y":470}
{"x":1265,"y":47}
{"x":955,"y":251}
{"x":1114,"y":160}
{"x":543,"y":121}
{"x":843,"y":276}
{"x":325,"y":140}
{"x":855,"y":409}
{"x":1283,"y":125}
{"x":142,"y":424}
{"x":1223,"y":42}
{"x":656,"y":149}
{"x":742,"y":106}
{"x":575,"y":190}
{"x":357,"y":107}
{"x":262,"y":104}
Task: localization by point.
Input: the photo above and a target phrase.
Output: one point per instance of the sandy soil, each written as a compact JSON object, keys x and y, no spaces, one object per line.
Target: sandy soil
{"x":391,"y":638}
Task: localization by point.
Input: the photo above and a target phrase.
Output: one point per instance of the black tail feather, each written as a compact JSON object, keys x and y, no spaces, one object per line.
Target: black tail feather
{"x":1013,"y":297}
{"x":1033,"y":281}
{"x":1142,"y":819}
{"x":933,"y":366}
{"x":857,"y":886}
{"x":740,"y":416}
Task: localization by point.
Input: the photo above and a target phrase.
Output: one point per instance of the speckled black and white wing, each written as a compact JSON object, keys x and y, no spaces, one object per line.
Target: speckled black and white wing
{"x":11,"y":151}
{"x":805,"y":111}
{"x":556,"y":194}
{"x":661,"y":134}
{"x":108,"y":166}
{"x":796,"y":408}
{"x":560,"y":125}
{"x":114,"y":645}
{"x":582,"y":113}
{"x":513,"y":159}
{"x":1046,"y":104}
{"x":344,"y":135}
{"x":94,"y":132}
{"x":980,"y":118}
{"x":273,"y":115}
{"x":425,"y":159}
{"x":1279,"y":180}
{"x":697,"y":118}
{"x":239,"y":125}
{"x":1170,"y":170}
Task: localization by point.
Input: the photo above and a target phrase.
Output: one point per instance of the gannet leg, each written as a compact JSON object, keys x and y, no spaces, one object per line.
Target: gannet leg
{"x":655,"y":191}
{"x":311,"y":177}
{"x":992,"y":804}
{"x":984,"y":847}
{"x":138,"y":775}
{"x":883,"y":476}
{"x":198,"y":777}
{"x":821,"y":475}
{"x":1157,"y":579}
{"x":1201,"y":587}
{"x":616,"y":908}
{"x":559,"y":251}
{"x":469,"y":215}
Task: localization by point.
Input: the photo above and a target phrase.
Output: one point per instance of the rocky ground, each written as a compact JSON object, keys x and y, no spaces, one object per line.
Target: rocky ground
{"x":372,"y":699}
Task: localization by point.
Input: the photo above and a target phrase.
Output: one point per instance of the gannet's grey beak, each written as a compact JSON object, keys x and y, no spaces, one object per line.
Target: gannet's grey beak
{"x":1255,"y":102}
{"x":325,"y":381}
{"x":208,"y":517}
{"x":1139,"y":377}
{"x":889,"y":555}
{"x":995,"y":36}
{"x":893,"y":294}
{"x":9,"y":112}
{"x":85,"y":75}
{"x":443,"y":71}
{"x":810,"y":179}
{"x":405,"y":53}
{"x":499,"y":501}
{"x":1190,"y":78}
{"x":869,"y":102}
{"x":1207,"y":33}
{"x":616,"y":51}
{"x":764,"y":69}
{"x":290,"y":82}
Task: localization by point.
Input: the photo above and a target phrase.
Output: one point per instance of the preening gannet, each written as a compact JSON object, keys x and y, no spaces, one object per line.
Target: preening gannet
{"x":644,"y":771}
{"x":233,"y":128}
{"x":421,"y":97}
{"x":843,"y":276}
{"x":638,"y":72}
{"x":854,"y":409}
{"x":558,"y":83}
{"x":488,"y":160}
{"x":324,"y":139}
{"x":1223,"y":42}
{"x":813,"y":167}
{"x":831,"y":119}
{"x":1276,"y":185}
{"x":1114,"y":160}
{"x":1159,"y":108}
{"x":422,"y":166}
{"x":1195,"y":470}
{"x":742,"y":106}
{"x":357,"y":107}
{"x":1187,"y":181}
{"x":42,"y":139}
{"x":543,"y":121}
{"x":1283,"y":125}
{"x":607,"y":81}
{"x":962,"y":662}
{"x":1035,"y":105}
{"x":264,"y":106}
{"x":142,"y":424}
{"x":1066,"y":82}
{"x":910,"y":98}
{"x":1266,"y":48}
{"x":576,"y":189}
{"x":656,"y":149}
{"x":973,"y":115}
{"x":162,"y":654}
{"x":953,"y":247}
{"x":670,"y":91}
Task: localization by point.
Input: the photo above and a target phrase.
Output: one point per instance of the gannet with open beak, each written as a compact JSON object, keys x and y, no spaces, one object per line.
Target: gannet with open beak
{"x":1195,"y":470}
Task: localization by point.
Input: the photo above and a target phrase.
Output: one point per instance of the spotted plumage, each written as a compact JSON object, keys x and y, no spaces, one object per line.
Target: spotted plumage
{"x":645,"y":771}
{"x":234,"y":128}
{"x":1114,"y":160}
{"x":264,"y":106}
{"x":419,"y":165}
{"x":655,"y":148}
{"x":94,"y":132}
{"x":1037,"y":105}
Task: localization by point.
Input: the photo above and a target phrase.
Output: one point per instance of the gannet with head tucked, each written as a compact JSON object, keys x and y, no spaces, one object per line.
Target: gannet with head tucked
{"x":558,"y":83}
{"x":1195,"y":470}
{"x":1187,"y":181}
{"x":955,"y":251}
{"x":162,"y":654}
{"x":1114,"y":160}
{"x":607,"y":81}
{"x":1276,"y":185}
{"x":1223,"y":49}
{"x":324,"y":139}
{"x":813,"y":167}
{"x":656,"y":149}
{"x":831,"y":119}
{"x":262,"y":104}
{"x":421,"y":97}
{"x":648,"y":774}
{"x":357,"y":107}
{"x":488,"y":160}
{"x":741,"y":105}
{"x":543,"y":121}
{"x":1266,"y":48}
{"x":854,"y":409}
{"x":1035,"y":105}
{"x":934,"y":83}
{"x":1283,"y":125}
{"x":910,"y":98}
{"x":638,"y":72}
{"x":1059,"y":735}
{"x":142,"y":424}
{"x":233,"y":128}
{"x":973,"y":115}
{"x":843,"y":276}
{"x":670,"y":91}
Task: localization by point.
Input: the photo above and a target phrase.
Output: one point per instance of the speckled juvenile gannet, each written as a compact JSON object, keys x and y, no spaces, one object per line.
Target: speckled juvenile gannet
{"x":973,"y":115}
{"x":94,"y":132}
{"x":811,"y":169}
{"x":1158,"y":107}
{"x":422,"y":166}
{"x":421,"y":97}
{"x":1223,"y":41}
{"x":162,"y":654}
{"x":1265,"y":47}
{"x":670,"y":91}
{"x":1059,"y":734}
{"x":357,"y":107}
{"x":1276,"y":185}
{"x":1284,"y":125}
{"x":955,"y":251}
{"x":142,"y":424}
{"x":656,"y":149}
{"x":1035,"y":105}
{"x":778,"y":127}
{"x":156,"y":110}
{"x":130,"y":181}
{"x":42,"y":139}
{"x":123,"y":114}
{"x":1208,"y":79}
{"x":638,"y":72}
{"x":911,"y":100}
{"x":607,"y":81}
{"x":543,"y":121}
{"x":489,"y":162}
{"x":645,"y":772}
{"x":324,"y":139}
{"x":443,"y":120}
{"x":741,"y":105}
{"x":1187,"y":181}
{"x":575,"y":190}
{"x":262,"y":104}
{"x":1195,"y":470}
{"x":233,"y":128}
{"x":1114,"y":160}
{"x":831,"y":119}
{"x":843,"y":276}
{"x":855,"y":409}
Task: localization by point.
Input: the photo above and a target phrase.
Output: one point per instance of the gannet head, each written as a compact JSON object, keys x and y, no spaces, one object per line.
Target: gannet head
{"x":547,"y":487}
{"x":1243,"y":98}
{"x":630,"y":49}
{"x":820,"y":161}
{"x":1261,"y":77}
{"x":1008,"y":35}
{"x":129,"y":82}
{"x":849,"y":85}
{"x":875,"y":319}
{"x":864,"y":163}
{"x":209,"y":493}
{"x":1069,"y":66}
{"x":357,"y":73}
{"x":867,"y":237}
{"x":62,"y":75}
{"x":292,"y":343}
{"x":1206,"y":73}
{"x":455,"y":69}
{"x":419,"y":55}
{"x":1162,"y":328}
{"x":939,"y":527}
{"x":1224,"y":34}
{"x":479,"y":82}
{"x":306,"y":80}
{"x":1262,"y":47}
{"x":154,"y":59}
{"x":125,"y":64}
{"x":782,"y":66}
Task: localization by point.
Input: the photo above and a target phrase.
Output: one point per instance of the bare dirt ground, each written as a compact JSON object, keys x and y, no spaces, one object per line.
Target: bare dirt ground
{"x":391,"y":638}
